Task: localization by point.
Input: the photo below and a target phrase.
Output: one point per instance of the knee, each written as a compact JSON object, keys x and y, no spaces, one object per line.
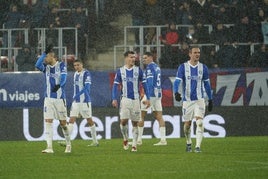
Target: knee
{"x":187,"y":125}
{"x":199,"y":122}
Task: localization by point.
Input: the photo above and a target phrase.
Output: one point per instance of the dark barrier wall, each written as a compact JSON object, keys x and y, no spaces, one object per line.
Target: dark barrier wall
{"x":27,"y":124}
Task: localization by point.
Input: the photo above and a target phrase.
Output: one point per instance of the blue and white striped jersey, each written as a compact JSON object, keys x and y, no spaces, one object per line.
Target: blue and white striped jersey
{"x":129,"y":78}
{"x":193,"y":79}
{"x":153,"y":77}
{"x":82,"y":82}
{"x":55,"y":75}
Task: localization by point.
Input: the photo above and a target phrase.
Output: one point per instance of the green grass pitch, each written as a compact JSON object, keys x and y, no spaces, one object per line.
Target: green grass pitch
{"x":230,"y":157}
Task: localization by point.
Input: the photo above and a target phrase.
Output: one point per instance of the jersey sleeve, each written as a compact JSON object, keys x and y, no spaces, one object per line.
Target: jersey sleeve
{"x":63,"y":74}
{"x":117,"y":81}
{"x":179,"y":77}
{"x":207,"y":82}
{"x":40,"y":63}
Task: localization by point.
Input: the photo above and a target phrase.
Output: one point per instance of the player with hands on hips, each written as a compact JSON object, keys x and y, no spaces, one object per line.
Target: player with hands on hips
{"x":55,"y":99}
{"x":129,"y":76}
{"x":194,"y":77}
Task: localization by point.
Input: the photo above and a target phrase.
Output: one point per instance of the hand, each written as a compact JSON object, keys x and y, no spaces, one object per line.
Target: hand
{"x":55,"y":89}
{"x":146,"y":103}
{"x":210,"y":105}
{"x":49,"y":48}
{"x":114,"y":103}
{"x":178,"y":96}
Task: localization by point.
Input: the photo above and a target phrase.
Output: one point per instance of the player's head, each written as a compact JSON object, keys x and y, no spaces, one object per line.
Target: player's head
{"x":194,"y":53}
{"x":130,"y":58}
{"x":147,"y":58}
{"x":51,"y":58}
{"x":78,"y":65}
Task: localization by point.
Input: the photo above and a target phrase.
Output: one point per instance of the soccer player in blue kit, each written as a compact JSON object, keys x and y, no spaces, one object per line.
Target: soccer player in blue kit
{"x":153,"y":79}
{"x":194,"y":78}
{"x":129,"y":76}
{"x":55,"y":100}
{"x":81,"y":104}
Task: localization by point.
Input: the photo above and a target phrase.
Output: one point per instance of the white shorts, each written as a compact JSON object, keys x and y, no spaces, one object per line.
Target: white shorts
{"x":55,"y":109}
{"x":191,"y":109}
{"x":156,"y":104}
{"x":130,"y":109}
{"x":83,"y":109}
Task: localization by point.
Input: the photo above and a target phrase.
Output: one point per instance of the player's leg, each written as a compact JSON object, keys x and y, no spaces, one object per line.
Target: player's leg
{"x":93,"y":132}
{"x":141,"y":122}
{"x":60,"y":105}
{"x":141,"y":127}
{"x":162,"y":128}
{"x":187,"y":134}
{"x":199,"y":134}
{"x":199,"y":115}
{"x":135,"y":136}
{"x":124,"y":132}
{"x":157,"y":111}
{"x":74,"y":112}
{"x":125,"y":105}
{"x":48,"y":135}
{"x":48,"y":116}
{"x":85,"y":110}
{"x":187,"y":113}
{"x":63,"y":124}
{"x":135,"y":116}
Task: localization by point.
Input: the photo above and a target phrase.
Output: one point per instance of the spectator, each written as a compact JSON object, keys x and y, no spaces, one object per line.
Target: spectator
{"x":260,"y":57}
{"x":201,"y":33}
{"x":12,"y":21}
{"x":221,"y":13}
{"x":53,"y":21}
{"x":219,"y":34}
{"x":186,"y":14}
{"x":226,"y":56}
{"x":190,"y":36}
{"x":243,"y":30}
{"x":183,"y":54}
{"x":138,"y":9}
{"x":79,"y":21}
{"x":39,"y":10}
{"x":168,"y":38}
{"x":201,"y":11}
{"x":26,"y":59}
{"x":171,"y":11}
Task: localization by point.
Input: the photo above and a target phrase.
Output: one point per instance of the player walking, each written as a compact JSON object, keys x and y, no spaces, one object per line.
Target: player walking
{"x":55,"y":99}
{"x":129,"y":76}
{"x":153,"y":79}
{"x":194,"y":78}
{"x":81,"y":104}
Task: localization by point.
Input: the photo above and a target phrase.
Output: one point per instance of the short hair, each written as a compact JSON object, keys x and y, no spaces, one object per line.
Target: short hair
{"x":193,"y":46}
{"x":149,"y":54}
{"x":78,"y":60}
{"x":128,"y":52}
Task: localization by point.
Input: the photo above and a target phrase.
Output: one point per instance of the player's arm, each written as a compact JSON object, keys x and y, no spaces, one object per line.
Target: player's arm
{"x":85,"y":88}
{"x":177,"y":83}
{"x":208,"y":88}
{"x":117,"y":80}
{"x":63,"y":78}
{"x":40,"y":62}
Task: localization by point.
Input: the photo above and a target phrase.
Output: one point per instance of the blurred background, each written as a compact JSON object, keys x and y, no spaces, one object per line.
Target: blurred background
{"x":231,"y":33}
{"x":232,"y":36}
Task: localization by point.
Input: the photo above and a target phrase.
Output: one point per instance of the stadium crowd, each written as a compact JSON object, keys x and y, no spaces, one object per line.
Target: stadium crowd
{"x":233,"y":22}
